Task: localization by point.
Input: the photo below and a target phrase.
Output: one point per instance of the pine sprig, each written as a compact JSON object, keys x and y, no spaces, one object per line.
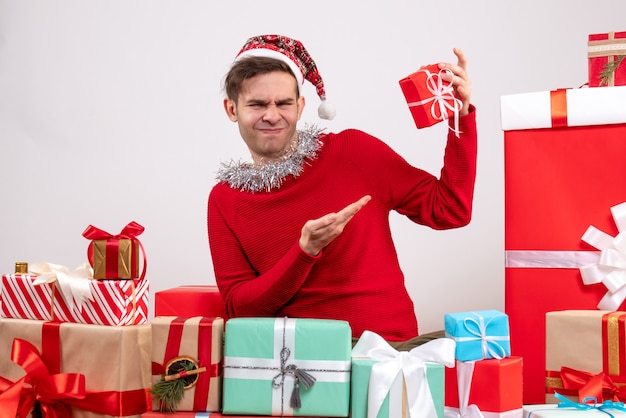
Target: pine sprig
{"x":609,"y":70}
{"x":169,"y":393}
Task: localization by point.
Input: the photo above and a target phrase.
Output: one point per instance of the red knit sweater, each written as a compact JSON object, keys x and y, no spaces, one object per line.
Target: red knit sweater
{"x":261,"y":270}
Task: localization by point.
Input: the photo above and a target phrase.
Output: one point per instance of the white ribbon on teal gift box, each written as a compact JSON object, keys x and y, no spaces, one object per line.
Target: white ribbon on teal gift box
{"x":479,"y":335}
{"x":268,"y":360}
{"x":607,"y":266}
{"x":411,"y":365}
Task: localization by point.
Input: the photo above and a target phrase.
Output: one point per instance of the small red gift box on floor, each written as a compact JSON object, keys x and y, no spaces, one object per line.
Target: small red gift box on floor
{"x":493,"y":385}
{"x":430,"y":98}
{"x":605,"y":54}
{"x":189,"y":301}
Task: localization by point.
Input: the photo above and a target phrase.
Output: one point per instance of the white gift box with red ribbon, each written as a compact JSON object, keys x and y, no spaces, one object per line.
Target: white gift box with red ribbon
{"x":563,"y":107}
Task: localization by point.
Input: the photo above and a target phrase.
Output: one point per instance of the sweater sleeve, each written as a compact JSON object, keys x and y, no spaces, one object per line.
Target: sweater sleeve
{"x":245,"y":292}
{"x":442,"y":202}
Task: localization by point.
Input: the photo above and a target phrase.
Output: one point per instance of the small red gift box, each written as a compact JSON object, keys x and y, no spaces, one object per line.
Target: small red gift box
{"x":605,"y":54}
{"x":495,"y":386}
{"x":560,"y":153}
{"x":430,"y":98}
{"x":188,"y":301}
{"x":116,"y":256}
{"x":197,"y":340}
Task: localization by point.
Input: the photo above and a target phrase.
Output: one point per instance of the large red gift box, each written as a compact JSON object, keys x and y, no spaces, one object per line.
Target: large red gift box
{"x":189,"y":301}
{"x":199,"y":340}
{"x":496,"y":386}
{"x":606,"y":49}
{"x":563,"y":153}
{"x":430,"y":98}
{"x":112,"y":302}
{"x":94,"y":371}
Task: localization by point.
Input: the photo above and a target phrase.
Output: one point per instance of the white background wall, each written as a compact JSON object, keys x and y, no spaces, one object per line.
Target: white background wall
{"x":111,"y":111}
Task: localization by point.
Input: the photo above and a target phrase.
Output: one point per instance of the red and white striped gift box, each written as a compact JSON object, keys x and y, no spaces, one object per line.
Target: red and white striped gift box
{"x":113,"y":302}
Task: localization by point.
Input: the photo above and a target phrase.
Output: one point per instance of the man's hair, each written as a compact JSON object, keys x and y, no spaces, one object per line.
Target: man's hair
{"x":249,"y":67}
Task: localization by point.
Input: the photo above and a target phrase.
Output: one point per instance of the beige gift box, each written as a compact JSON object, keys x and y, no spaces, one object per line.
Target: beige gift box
{"x":112,"y":359}
{"x":588,"y":341}
{"x":200,"y":339}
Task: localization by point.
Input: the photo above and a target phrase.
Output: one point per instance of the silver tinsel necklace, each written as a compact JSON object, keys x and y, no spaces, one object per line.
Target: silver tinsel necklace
{"x":253,"y":178}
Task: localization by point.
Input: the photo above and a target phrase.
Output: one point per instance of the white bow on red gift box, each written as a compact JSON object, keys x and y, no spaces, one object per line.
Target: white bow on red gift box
{"x":610,"y":269}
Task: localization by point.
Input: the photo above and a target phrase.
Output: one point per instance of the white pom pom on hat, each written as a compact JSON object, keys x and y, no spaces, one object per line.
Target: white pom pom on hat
{"x":296,"y":56}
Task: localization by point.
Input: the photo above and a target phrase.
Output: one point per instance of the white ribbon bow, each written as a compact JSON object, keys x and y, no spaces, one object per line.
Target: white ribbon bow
{"x":464,"y":373}
{"x":73,"y":285}
{"x":610,"y":269}
{"x":442,"y":93}
{"x":412,"y":365}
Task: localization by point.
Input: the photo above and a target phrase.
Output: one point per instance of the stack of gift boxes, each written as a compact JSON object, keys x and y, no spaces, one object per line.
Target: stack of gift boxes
{"x":71,"y":345}
{"x":564,"y":275}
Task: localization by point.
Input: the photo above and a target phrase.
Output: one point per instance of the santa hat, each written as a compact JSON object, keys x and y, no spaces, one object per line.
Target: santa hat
{"x":296,"y":56}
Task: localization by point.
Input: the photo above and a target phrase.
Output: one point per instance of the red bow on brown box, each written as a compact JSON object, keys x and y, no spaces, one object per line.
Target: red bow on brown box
{"x":116,"y":256}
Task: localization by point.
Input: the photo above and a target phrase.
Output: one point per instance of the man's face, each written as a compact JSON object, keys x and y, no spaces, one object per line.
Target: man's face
{"x":267,"y":112}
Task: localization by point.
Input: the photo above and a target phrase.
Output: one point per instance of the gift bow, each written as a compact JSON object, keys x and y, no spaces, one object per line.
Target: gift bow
{"x":73,"y":285}
{"x":610,"y":269}
{"x":489,"y":343}
{"x":464,"y":372}
{"x":590,"y":403}
{"x":412,"y":365}
{"x":130,"y":231}
{"x":51,"y":391}
{"x":442,"y":93}
{"x":589,"y":385}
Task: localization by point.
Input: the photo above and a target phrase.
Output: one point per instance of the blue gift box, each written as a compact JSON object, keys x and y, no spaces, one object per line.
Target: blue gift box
{"x":479,"y":335}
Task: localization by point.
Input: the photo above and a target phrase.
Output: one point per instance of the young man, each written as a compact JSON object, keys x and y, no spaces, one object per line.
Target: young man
{"x":303,"y":230}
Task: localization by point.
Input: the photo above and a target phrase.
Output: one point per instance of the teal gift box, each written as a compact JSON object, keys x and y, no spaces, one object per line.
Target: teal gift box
{"x":392,"y":407}
{"x":287,"y":367}
{"x":479,"y":335}
{"x":396,"y":384}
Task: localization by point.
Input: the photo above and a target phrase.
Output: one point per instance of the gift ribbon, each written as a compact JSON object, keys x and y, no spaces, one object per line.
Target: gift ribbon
{"x":410,"y":364}
{"x":130,"y":231}
{"x":442,"y":95}
{"x":610,"y":269}
{"x":54,"y":392}
{"x":73,"y":285}
{"x":599,"y":386}
{"x":590,"y":403}
{"x":490,"y":346}
{"x":464,"y":373}
{"x":558,"y":108}
{"x":284,"y":343}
